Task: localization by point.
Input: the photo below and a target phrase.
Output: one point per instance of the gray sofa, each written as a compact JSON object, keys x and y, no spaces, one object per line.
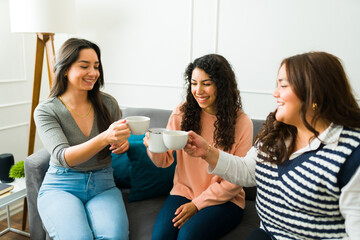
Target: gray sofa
{"x":141,"y":214}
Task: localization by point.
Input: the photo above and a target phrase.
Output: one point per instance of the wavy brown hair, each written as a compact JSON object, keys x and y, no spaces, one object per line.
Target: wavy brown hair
{"x":315,"y":77}
{"x":67,"y":55}
{"x":228,"y":99}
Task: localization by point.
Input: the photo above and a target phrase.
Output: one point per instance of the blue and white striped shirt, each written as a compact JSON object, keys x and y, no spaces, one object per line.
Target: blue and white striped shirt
{"x":303,"y":196}
{"x":300,"y":198}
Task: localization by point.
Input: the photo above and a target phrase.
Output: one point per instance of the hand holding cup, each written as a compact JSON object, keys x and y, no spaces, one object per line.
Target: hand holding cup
{"x":117,"y":132}
{"x":196,"y":145}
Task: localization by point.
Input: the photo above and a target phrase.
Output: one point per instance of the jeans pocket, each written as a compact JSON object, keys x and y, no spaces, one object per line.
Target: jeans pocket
{"x":56,"y":170}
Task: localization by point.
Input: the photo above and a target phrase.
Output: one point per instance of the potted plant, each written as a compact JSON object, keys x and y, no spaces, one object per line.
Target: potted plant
{"x":17,"y":170}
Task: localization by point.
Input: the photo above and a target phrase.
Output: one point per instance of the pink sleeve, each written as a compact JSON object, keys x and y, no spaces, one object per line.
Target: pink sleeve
{"x":162,"y":160}
{"x":224,"y":191}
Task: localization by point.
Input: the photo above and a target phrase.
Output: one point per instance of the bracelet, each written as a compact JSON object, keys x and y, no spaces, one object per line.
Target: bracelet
{"x":207,"y":150}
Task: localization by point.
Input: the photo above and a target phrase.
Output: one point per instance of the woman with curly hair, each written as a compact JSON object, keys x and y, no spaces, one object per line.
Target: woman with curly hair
{"x":202,"y":205}
{"x":305,"y":161}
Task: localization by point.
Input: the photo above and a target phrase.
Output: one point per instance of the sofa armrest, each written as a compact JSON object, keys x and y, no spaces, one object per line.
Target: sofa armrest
{"x":35,"y":167}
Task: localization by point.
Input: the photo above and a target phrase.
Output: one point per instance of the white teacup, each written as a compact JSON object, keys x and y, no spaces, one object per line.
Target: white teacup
{"x":138,"y":124}
{"x":175,"y":140}
{"x":156,"y":142}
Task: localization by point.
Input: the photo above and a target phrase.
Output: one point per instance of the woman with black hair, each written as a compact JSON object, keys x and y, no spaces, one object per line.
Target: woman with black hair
{"x":202,"y":205}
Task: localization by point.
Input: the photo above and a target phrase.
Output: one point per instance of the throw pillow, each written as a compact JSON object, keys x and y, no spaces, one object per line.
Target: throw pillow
{"x":121,"y":165}
{"x":146,"y":179}
{"x":135,"y":170}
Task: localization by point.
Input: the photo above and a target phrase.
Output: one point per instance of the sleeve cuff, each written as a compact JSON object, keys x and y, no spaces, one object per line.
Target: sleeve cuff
{"x":198,"y":203}
{"x":221,"y":165}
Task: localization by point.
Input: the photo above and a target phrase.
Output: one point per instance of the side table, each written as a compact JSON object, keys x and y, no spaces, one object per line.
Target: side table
{"x":18,"y":193}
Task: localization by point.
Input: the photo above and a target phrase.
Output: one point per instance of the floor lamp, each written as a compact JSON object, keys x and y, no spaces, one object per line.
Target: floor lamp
{"x":45,"y":18}
{"x":43,"y":41}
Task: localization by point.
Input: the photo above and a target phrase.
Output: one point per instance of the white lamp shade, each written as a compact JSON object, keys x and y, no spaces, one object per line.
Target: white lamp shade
{"x":44,"y":16}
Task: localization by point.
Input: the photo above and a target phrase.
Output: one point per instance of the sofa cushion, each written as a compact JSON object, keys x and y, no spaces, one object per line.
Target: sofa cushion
{"x":142,"y":215}
{"x":121,"y":165}
{"x":136,"y":171}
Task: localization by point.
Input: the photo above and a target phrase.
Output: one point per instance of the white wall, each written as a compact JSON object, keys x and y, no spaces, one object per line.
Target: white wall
{"x":146,"y":46}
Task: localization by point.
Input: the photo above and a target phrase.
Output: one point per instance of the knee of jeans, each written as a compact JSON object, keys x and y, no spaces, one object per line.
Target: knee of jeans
{"x":159,"y":236}
{"x":116,"y":234}
{"x":83,"y":236}
{"x":189,"y":232}
{"x":80,"y":235}
{"x":112,"y":230}
{"x":164,"y":233}
{"x":188,"y":235}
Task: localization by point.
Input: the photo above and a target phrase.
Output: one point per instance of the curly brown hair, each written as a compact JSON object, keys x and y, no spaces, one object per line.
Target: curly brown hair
{"x":315,"y":77}
{"x":228,"y":100}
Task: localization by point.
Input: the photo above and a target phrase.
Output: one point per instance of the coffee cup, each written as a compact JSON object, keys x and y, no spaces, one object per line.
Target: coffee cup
{"x":175,"y":140}
{"x":138,"y":124}
{"x":156,"y":142}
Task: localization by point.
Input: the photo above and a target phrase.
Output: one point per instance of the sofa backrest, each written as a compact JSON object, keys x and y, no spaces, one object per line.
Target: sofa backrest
{"x":158,"y":117}
{"x":257,"y":124}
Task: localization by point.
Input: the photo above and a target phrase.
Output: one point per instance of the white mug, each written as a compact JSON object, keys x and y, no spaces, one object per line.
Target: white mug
{"x":175,"y":140}
{"x":156,"y":142}
{"x":138,"y":124}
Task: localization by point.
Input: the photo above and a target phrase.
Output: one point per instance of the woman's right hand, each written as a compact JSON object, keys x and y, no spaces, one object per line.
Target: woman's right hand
{"x":197,"y":146}
{"x":118,"y":132}
{"x":146,"y":140}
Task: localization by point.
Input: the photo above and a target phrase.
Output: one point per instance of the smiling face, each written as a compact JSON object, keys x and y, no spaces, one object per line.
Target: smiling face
{"x":84,"y":72}
{"x":204,"y":90}
{"x":289,"y":105}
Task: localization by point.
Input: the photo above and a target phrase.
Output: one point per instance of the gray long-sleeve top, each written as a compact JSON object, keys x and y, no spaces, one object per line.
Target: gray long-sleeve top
{"x":58,"y":130}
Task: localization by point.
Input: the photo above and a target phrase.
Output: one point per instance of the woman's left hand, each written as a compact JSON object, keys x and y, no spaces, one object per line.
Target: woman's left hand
{"x":119,"y":147}
{"x":184,"y":213}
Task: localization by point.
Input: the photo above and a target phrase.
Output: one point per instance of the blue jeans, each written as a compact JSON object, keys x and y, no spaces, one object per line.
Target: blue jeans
{"x":209,"y":223}
{"x":82,"y":205}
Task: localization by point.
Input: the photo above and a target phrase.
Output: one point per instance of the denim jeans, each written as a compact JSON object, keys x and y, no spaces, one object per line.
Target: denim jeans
{"x":209,"y":223}
{"x":82,"y":205}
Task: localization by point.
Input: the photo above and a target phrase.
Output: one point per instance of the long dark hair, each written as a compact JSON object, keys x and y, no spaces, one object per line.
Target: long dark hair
{"x":228,"y":99}
{"x":67,"y":55}
{"x":315,"y":77}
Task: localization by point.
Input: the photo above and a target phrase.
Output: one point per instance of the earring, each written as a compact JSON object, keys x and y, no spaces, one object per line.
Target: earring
{"x":314,"y":106}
